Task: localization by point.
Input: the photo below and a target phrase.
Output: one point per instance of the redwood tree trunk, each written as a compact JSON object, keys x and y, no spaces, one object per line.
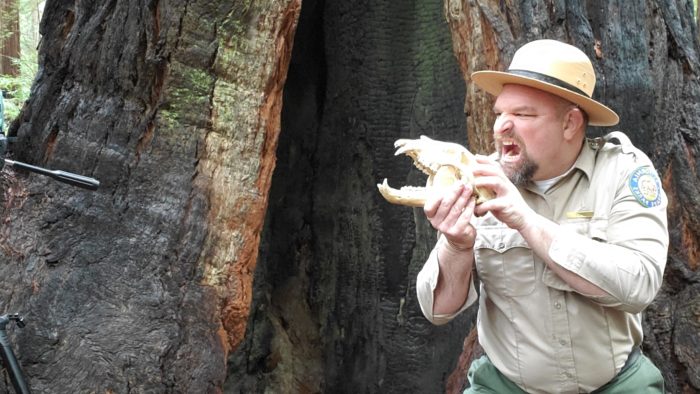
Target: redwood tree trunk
{"x":334,"y":305}
{"x":173,"y":105}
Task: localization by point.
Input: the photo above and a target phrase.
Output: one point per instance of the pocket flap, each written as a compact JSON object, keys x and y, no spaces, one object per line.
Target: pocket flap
{"x":499,"y":239}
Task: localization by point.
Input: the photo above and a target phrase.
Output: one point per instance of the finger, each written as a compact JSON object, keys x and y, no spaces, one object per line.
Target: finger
{"x":493,"y":205}
{"x":465,"y":217}
{"x":486,"y":159}
{"x":481,"y":210}
{"x":495,"y":183}
{"x":451,"y":197}
{"x":487,"y":168}
{"x":463,"y":233}
{"x":440,"y":202}
{"x":460,"y":205}
{"x":457,"y":220}
{"x":431,"y":205}
{"x":480,"y":170}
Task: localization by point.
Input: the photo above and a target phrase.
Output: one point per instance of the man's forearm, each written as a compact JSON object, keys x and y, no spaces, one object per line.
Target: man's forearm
{"x":539,"y":233}
{"x":454,"y":279}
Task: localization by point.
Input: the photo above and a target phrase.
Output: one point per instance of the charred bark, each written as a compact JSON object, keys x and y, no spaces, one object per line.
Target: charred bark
{"x":334,"y":307}
{"x":143,"y":285}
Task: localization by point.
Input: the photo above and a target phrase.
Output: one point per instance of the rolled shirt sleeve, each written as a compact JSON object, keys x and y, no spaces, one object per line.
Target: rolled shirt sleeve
{"x":625,"y":254}
{"x":425,"y":287}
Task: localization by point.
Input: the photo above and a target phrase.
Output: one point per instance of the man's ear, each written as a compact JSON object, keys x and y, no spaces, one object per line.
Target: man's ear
{"x":574,"y":122}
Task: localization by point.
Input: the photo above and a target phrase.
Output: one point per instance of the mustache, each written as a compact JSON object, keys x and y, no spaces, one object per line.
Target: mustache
{"x":498,"y":142}
{"x":509,"y":135}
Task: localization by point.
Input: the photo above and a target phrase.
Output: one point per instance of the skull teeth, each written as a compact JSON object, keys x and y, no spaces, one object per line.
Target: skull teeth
{"x":431,"y":157}
{"x":408,"y":196}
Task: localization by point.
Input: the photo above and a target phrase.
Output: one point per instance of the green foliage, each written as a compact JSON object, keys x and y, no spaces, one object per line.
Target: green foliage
{"x":17,"y":88}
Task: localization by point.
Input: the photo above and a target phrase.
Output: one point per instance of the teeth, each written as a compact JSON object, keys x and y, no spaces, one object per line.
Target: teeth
{"x":412,"y":196}
{"x":430,"y":157}
{"x":401,"y":150}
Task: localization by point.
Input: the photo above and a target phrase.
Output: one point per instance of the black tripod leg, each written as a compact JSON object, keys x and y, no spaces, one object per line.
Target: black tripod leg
{"x":13,"y":368}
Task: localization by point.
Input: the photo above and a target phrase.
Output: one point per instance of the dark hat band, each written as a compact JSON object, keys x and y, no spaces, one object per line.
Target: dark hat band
{"x":548,"y":79}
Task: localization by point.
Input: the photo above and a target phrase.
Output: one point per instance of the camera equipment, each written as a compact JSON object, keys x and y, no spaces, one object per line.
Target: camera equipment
{"x":8,"y":356}
{"x":63,"y":176}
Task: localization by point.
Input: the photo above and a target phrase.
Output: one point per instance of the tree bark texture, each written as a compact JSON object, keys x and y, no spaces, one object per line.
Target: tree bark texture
{"x":334,"y":306}
{"x":646,"y":59}
{"x":174,"y":106}
{"x":9,"y":37}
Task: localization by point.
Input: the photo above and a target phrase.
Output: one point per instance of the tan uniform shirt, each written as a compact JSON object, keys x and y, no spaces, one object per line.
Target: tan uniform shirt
{"x":537,"y":330}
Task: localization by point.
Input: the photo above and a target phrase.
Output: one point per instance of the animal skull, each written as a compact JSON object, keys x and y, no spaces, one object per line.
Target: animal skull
{"x":443,"y":162}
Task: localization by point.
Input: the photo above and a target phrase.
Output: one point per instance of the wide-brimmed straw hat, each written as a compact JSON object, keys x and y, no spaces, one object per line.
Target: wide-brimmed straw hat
{"x":557,"y":68}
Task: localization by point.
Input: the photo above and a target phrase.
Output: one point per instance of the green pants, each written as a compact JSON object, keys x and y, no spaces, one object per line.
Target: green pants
{"x":642,"y":376}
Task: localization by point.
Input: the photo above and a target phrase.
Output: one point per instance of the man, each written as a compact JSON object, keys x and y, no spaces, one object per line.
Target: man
{"x":569,"y":252}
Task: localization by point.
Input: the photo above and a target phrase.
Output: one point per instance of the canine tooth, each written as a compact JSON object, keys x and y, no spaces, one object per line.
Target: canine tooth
{"x":401,"y":150}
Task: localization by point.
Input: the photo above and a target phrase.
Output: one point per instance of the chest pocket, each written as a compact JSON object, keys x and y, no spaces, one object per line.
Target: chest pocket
{"x":504,"y":261}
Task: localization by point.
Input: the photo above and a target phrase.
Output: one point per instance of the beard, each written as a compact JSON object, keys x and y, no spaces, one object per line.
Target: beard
{"x":522,"y":174}
{"x":521,"y":171}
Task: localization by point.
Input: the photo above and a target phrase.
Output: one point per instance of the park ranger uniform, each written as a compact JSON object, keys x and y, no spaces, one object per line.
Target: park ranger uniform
{"x":535,"y":329}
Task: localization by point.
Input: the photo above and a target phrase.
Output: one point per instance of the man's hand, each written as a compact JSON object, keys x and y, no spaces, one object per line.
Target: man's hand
{"x":450,"y":212}
{"x":509,"y":206}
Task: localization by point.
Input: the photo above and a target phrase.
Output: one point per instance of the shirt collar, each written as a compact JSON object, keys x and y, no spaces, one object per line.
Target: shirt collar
{"x":584,"y":162}
{"x":586,"y":159}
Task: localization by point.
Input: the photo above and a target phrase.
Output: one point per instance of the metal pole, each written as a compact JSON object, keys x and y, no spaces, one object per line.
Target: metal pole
{"x":8,"y":356}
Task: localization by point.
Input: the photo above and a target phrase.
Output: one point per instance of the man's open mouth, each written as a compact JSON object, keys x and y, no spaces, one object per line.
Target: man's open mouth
{"x":510,"y":151}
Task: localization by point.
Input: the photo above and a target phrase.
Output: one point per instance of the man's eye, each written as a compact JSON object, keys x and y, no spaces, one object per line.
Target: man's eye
{"x":521,"y":115}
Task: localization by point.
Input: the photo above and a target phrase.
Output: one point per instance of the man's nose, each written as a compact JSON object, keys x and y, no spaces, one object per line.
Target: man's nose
{"x":502,"y":124}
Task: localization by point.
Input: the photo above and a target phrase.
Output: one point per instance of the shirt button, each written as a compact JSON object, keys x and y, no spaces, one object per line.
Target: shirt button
{"x":557,"y":305}
{"x":562,"y":342}
{"x":501,"y":246}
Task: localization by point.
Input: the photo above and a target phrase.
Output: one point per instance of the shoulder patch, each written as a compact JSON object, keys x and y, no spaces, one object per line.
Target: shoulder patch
{"x":646,"y":186}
